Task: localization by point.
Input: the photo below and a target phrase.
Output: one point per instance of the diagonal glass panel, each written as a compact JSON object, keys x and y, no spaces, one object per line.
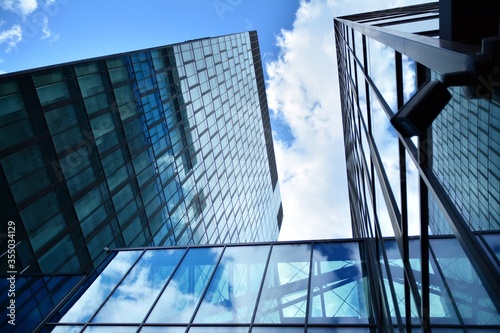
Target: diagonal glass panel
{"x":132,"y":299}
{"x":232,"y":293}
{"x":264,"y":329}
{"x":163,"y":329}
{"x":220,"y":329}
{"x":472,"y":300}
{"x":338,"y":292}
{"x":110,"y":329}
{"x":183,"y":292}
{"x":65,"y":329}
{"x":92,"y":299}
{"x":284,"y":294}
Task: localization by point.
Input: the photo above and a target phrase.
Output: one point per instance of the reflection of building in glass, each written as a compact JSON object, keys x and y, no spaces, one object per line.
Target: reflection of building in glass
{"x":269,"y":287}
{"x":165,"y":146}
{"x":446,"y":179}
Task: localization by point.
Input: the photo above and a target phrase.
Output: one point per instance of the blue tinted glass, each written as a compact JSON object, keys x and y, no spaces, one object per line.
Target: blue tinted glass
{"x":180,"y":297}
{"x":233,"y":290}
{"x":471,"y":298}
{"x":284,"y":294}
{"x":110,"y":329}
{"x":278,"y":330}
{"x":159,"y":329}
{"x":66,"y":329}
{"x":340,"y":330}
{"x":338,"y":290}
{"x":95,"y":295}
{"x":493,"y":241}
{"x":132,"y":299}
{"x":216,"y":329}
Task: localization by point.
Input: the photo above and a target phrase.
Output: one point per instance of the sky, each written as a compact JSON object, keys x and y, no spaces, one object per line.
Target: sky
{"x":298,"y":51}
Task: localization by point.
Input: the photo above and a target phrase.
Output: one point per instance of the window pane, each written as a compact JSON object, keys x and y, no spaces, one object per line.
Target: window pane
{"x":92,"y":299}
{"x":284,"y":295}
{"x":338,"y":285}
{"x":471,"y":298}
{"x":130,"y":302}
{"x":233,"y":291}
{"x":179,"y":299}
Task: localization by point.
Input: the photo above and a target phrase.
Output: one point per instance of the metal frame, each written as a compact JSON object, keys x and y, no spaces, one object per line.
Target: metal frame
{"x":443,"y":57}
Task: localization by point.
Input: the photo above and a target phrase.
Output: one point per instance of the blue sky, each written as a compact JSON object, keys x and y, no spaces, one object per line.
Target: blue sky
{"x":55,"y":31}
{"x":298,"y":51}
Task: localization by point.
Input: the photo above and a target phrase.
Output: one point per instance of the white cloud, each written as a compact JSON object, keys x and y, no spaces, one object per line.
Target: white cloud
{"x":22,"y":7}
{"x":11,"y":37}
{"x":47,"y":33}
{"x":303,"y":92}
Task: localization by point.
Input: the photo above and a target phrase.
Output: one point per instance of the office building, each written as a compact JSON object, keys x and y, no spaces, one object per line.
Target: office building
{"x":421,"y":117}
{"x":165,"y":146}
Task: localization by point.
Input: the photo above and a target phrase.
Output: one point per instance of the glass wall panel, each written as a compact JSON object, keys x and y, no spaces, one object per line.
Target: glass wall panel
{"x":164,"y":329}
{"x":179,"y":299}
{"x":473,"y":302}
{"x":264,"y":329}
{"x":493,"y":241}
{"x":83,"y":310}
{"x":132,"y":299}
{"x":216,"y":329}
{"x":339,"y":330}
{"x":110,"y":329}
{"x":284,"y":295}
{"x":233,"y":291}
{"x":338,"y":293}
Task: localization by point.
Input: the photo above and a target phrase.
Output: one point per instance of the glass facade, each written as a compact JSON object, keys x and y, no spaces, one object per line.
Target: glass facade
{"x":272,"y":287}
{"x":164,"y":146}
{"x":444,"y":181}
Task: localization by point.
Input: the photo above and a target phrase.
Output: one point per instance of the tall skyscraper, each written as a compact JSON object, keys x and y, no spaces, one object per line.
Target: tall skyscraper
{"x":165,"y":146}
{"x":421,"y":115}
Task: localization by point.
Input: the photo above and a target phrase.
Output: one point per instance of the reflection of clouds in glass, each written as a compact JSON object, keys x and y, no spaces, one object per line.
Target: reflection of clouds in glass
{"x":110,"y":329}
{"x":67,"y":329}
{"x":174,"y":306}
{"x":180,"y":297}
{"x":137,"y":292}
{"x":89,"y":302}
{"x":284,"y":294}
{"x":337,"y":286}
{"x":232,"y":293}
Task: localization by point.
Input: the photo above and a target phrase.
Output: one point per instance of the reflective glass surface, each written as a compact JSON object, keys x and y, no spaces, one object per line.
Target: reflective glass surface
{"x":233,"y":290}
{"x":147,"y":148}
{"x":130,"y":302}
{"x":84,"y":309}
{"x":338,"y":287}
{"x":182,"y":294}
{"x":284,"y":294}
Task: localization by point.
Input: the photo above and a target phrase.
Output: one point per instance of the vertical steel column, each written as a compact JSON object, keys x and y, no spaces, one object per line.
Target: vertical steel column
{"x":403,"y":188}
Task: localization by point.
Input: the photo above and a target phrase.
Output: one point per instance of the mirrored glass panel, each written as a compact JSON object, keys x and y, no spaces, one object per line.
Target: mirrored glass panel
{"x":284,"y":294}
{"x":179,"y":299}
{"x":338,"y":291}
{"x":472,"y":300}
{"x":263,"y":329}
{"x":215,"y":329}
{"x":132,"y":299}
{"x":96,"y":294}
{"x":164,"y":329}
{"x":110,"y":329}
{"x":233,"y":291}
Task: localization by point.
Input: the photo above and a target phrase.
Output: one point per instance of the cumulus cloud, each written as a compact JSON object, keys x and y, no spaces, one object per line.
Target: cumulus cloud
{"x":22,"y":7}
{"x":303,"y":93}
{"x":11,"y":37}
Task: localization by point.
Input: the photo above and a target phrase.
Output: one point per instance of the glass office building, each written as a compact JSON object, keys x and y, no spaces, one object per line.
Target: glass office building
{"x":165,"y":146}
{"x":421,"y":117}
